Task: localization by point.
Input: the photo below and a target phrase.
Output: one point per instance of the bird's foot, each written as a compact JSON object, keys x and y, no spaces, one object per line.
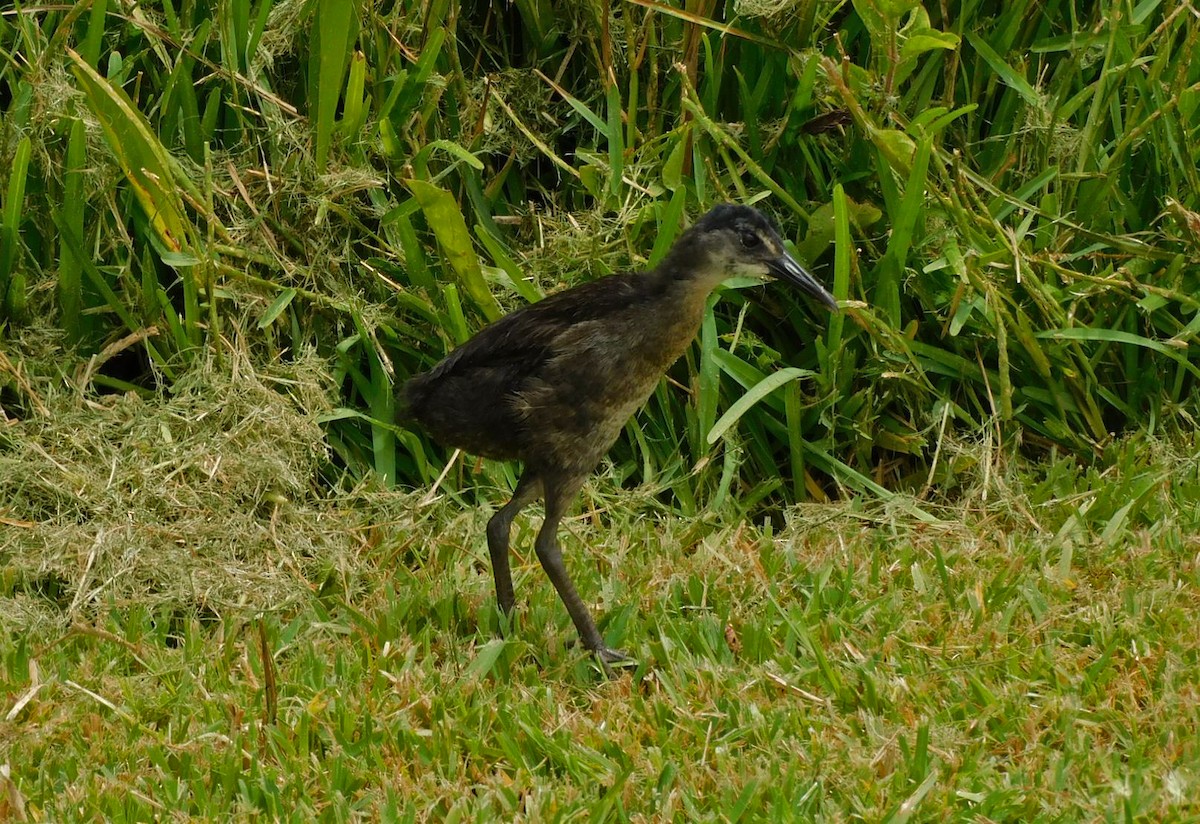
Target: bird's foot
{"x":616,"y":657}
{"x":610,"y":658}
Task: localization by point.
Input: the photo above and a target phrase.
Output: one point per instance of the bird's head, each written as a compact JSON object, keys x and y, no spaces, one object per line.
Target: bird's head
{"x":732,"y":239}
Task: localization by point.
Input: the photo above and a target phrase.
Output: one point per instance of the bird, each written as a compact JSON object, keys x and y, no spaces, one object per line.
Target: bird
{"x":553,"y":383}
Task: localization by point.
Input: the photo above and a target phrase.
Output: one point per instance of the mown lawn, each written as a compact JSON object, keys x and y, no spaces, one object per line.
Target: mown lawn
{"x":1026,"y":651}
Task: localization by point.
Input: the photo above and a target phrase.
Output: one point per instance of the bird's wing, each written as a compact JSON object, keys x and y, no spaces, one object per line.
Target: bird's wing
{"x":520,"y":342}
{"x":503,"y":345}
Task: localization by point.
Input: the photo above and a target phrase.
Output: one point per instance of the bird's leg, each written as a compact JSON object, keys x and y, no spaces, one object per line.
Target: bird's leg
{"x":498,"y":529}
{"x":558,"y":498}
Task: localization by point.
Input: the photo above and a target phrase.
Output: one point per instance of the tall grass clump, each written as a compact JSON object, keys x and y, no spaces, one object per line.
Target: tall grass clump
{"x":1003,"y":196}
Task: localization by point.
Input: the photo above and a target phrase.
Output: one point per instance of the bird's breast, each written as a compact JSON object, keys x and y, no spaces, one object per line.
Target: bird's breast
{"x":599,"y":377}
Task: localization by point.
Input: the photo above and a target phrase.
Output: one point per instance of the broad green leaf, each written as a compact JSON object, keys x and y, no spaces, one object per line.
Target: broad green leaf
{"x":450,"y":147}
{"x":897,"y":147}
{"x":616,"y":143}
{"x":668,"y":228}
{"x":743,"y":404}
{"x":95,"y":33}
{"x":486,"y":657}
{"x":1012,"y":78}
{"x":841,"y":264}
{"x":820,"y":230}
{"x":521,"y":284}
{"x":928,"y":41}
{"x":710,"y":375}
{"x":12,"y":280}
{"x":895,"y":9}
{"x":1176,"y":353}
{"x":872,"y":17}
{"x":334,"y":28}
{"x":672,"y":170}
{"x":450,"y":228}
{"x":276,"y":308}
{"x":142,"y":157}
{"x":357,"y":106}
{"x":887,"y":290}
{"x":70,"y":268}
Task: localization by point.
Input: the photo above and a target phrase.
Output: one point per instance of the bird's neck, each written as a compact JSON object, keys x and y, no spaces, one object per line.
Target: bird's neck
{"x":689,"y":267}
{"x":688,"y":282}
{"x":682,"y":297}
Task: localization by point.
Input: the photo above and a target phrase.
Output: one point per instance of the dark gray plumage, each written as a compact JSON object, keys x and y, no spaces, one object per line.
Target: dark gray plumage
{"x":553,"y":383}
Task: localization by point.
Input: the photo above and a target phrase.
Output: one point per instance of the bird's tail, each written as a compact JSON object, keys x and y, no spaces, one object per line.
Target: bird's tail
{"x":408,"y":396}
{"x":403,"y":404}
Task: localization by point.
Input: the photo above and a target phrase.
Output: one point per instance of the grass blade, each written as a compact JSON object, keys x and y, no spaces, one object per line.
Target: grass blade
{"x":70,"y":268}
{"x":140,"y":153}
{"x":151,"y":173}
{"x":12,"y":279}
{"x":450,"y":228}
{"x":335,"y":27}
{"x":760,"y":390}
{"x":1013,"y":79}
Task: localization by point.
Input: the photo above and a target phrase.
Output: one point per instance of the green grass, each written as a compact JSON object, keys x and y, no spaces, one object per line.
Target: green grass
{"x":1028,"y":654}
{"x":933,"y":557}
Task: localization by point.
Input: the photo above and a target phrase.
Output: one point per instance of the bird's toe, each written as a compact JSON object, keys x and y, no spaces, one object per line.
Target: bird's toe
{"x":616,"y":657}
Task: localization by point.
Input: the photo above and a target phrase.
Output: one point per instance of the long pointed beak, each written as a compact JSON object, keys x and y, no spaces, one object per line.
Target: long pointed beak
{"x":786,"y":268}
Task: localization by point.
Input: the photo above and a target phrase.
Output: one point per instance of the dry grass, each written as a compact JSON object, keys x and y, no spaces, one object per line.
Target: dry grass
{"x":207,"y":500}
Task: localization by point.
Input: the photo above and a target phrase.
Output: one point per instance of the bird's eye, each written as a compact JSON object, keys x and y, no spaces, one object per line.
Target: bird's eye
{"x":750,"y":240}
